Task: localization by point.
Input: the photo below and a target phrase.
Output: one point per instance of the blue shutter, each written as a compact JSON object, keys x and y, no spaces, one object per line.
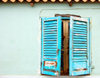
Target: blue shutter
{"x":79,"y":47}
{"x":51,"y":46}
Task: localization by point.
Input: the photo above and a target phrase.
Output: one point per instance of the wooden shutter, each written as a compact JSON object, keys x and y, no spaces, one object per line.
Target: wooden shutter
{"x":79,"y":47}
{"x":51,"y":46}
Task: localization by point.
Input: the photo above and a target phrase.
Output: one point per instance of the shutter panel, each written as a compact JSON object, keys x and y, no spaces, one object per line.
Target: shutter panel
{"x":79,"y":46}
{"x":51,"y":46}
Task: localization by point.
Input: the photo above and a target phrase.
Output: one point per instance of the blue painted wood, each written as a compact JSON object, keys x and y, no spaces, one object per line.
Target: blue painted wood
{"x":79,"y":48}
{"x":79,"y":22}
{"x":50,"y":25}
{"x":89,"y":45}
{"x":42,"y":64}
{"x":78,"y":25}
{"x":65,"y":18}
{"x":51,"y":42}
{"x":70,"y":47}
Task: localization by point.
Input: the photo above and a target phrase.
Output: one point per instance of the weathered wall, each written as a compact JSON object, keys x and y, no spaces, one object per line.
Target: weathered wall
{"x":20,"y":31}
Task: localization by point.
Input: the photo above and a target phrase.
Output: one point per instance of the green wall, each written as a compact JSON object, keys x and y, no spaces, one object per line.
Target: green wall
{"x":20,"y":30}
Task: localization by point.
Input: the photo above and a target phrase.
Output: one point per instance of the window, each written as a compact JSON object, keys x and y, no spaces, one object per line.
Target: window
{"x":65,"y":46}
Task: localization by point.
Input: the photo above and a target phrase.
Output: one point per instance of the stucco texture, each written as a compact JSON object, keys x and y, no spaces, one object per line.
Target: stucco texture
{"x":20,"y":33}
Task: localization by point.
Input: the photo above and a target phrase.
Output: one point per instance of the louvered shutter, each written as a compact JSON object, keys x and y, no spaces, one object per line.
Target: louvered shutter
{"x":51,"y":46}
{"x":79,"y":46}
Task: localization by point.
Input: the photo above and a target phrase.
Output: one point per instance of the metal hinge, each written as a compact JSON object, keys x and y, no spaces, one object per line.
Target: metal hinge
{"x":57,"y":51}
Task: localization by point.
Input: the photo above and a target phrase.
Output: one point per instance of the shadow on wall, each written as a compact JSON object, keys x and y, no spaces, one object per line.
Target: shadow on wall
{"x":39,"y":76}
{"x":69,"y":77}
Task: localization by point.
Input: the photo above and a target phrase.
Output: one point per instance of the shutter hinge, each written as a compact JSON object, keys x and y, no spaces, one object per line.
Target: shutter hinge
{"x":57,"y":51}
